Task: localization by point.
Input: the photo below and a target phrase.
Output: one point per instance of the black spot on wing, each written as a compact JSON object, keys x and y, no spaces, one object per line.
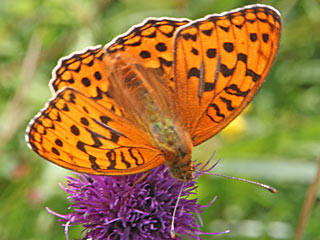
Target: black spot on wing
{"x":195,"y":51}
{"x":75,"y":130}
{"x":97,"y":75}
{"x":72,"y":98}
{"x":55,"y":151}
{"x":95,"y":137}
{"x":105,"y":119}
{"x":58,"y":142}
{"x":251,"y":73}
{"x":145,"y":54}
{"x":226,"y":29}
{"x":217,"y":112}
{"x":209,"y":86}
{"x":99,"y":95}
{"x":228,"y":103}
{"x":253,"y":37}
{"x":161,"y":47}
{"x":111,"y":156}
{"x":114,"y":137}
{"x":94,"y":165}
{"x":207,"y":32}
{"x":188,"y":36}
{"x":85,"y":109}
{"x":65,"y":108}
{"x":124,"y":160}
{"x":234,"y":90}
{"x":211,"y":53}
{"x":84,"y":121}
{"x":71,"y":80}
{"x":86,"y":81}
{"x":265,"y":37}
{"x":80,"y":146}
{"x":165,"y":62}
{"x":228,"y":46}
{"x":194,"y":72}
{"x":242,"y":57}
{"x":226,"y":72}
{"x":135,"y":158}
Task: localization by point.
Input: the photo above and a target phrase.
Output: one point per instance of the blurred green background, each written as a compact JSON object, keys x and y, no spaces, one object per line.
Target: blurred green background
{"x":276,"y":141}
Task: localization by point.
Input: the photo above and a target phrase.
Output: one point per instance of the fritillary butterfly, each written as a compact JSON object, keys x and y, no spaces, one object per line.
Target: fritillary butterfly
{"x":153,"y":93}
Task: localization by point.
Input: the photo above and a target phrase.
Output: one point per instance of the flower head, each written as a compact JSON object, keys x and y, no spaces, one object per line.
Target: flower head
{"x":122,"y":207}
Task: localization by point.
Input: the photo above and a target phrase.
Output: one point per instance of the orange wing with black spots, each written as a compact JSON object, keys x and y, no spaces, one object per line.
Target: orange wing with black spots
{"x":153,"y":92}
{"x":85,"y":71}
{"x":149,"y":43}
{"x":220,"y":63}
{"x":74,"y":133}
{"x":77,"y":133}
{"x":82,"y":70}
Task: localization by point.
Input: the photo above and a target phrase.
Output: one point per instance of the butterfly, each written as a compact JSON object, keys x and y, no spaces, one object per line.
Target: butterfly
{"x":154,"y":92}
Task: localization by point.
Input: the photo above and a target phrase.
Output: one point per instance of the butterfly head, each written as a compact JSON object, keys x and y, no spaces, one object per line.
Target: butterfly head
{"x":183,"y":172}
{"x":180,"y":164}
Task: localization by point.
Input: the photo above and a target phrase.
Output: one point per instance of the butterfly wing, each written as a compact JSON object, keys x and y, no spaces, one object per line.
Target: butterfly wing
{"x":221,"y":62}
{"x":85,"y":71}
{"x":84,"y":127}
{"x":150,"y":44}
{"x":77,"y":133}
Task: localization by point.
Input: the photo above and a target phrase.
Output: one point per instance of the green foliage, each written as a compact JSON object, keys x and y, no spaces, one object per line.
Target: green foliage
{"x":282,"y":129}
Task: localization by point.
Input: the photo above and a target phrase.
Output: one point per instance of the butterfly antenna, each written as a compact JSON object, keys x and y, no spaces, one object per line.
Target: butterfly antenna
{"x":270,"y":189}
{"x":173,"y":235}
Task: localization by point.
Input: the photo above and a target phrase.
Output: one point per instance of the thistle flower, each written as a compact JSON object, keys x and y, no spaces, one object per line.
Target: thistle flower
{"x":110,"y":207}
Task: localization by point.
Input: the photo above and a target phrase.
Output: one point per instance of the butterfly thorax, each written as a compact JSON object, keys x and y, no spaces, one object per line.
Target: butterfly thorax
{"x":175,"y":146}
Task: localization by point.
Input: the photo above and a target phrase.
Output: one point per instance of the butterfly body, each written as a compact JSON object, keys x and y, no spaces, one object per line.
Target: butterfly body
{"x":153,"y":112}
{"x":176,"y":146}
{"x":153,"y":93}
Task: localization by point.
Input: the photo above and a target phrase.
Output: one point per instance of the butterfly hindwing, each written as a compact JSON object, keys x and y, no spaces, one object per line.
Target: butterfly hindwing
{"x":77,"y":133}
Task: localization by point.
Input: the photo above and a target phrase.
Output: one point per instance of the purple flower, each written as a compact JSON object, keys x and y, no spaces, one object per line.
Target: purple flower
{"x":108,"y":207}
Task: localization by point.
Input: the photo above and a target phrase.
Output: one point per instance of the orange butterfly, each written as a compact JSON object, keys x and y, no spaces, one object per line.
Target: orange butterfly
{"x":153,"y":93}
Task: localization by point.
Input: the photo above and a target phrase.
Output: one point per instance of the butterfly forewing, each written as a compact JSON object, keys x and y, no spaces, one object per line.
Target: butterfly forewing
{"x":220,"y":63}
{"x":149,"y":44}
{"x":85,"y":71}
